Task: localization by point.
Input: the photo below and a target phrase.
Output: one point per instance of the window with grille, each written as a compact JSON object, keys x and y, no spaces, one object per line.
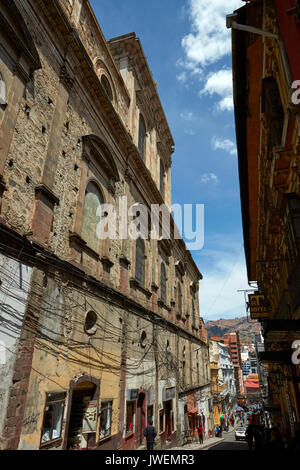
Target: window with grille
{"x":142,"y":136}
{"x":107,"y":88}
{"x":163,"y":283}
{"x":91,"y":215}
{"x":162,"y":179}
{"x":130,"y":416}
{"x":193,"y":313}
{"x":179,"y":299}
{"x":140,"y":261}
{"x":53,"y":415}
{"x":105,"y":419}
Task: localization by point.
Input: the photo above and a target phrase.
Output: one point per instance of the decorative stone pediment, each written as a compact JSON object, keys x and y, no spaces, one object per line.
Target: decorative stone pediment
{"x":165,"y":246}
{"x":95,"y":149}
{"x":180,"y":267}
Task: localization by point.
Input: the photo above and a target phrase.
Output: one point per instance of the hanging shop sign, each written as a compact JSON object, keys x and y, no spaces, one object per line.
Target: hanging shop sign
{"x":168,"y":393}
{"x":259,"y":306}
{"x":89,"y":423}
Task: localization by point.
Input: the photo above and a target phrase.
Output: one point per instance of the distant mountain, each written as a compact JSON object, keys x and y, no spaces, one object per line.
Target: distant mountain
{"x":222,"y":326}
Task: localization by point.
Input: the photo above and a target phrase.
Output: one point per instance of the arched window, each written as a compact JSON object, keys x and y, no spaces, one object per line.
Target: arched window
{"x":183,"y":366}
{"x":162,"y":179}
{"x":179,"y":299}
{"x":142,"y":136}
{"x":140,"y":261}
{"x":107,"y":88}
{"x":163,"y":279}
{"x":2,"y":91}
{"x":92,"y":203}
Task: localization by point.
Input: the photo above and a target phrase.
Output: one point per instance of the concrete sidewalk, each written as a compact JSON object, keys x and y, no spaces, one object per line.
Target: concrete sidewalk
{"x":196,"y":446}
{"x":208,"y":441}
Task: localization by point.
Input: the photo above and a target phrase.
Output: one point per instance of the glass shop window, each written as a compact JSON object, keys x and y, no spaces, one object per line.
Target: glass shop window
{"x":53,"y":415}
{"x":105,"y":419}
{"x":130,"y":416}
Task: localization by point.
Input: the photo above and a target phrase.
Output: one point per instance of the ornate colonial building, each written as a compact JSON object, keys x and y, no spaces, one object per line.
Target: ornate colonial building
{"x":97,"y":335}
{"x":266,"y":68}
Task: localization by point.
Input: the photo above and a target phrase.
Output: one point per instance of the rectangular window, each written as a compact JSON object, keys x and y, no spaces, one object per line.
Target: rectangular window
{"x":53,"y":415}
{"x":130,"y":416}
{"x":161,"y":420}
{"x":105,"y":419}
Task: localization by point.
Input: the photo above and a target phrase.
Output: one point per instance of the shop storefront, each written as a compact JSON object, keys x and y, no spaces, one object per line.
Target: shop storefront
{"x":166,"y":417}
{"x":135,"y":418}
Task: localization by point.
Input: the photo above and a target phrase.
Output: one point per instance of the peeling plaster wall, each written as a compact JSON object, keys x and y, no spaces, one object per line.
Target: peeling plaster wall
{"x":15,"y":281}
{"x":64,"y":352}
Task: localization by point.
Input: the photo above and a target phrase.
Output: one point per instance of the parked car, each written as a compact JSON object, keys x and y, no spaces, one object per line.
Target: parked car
{"x":240,"y":434}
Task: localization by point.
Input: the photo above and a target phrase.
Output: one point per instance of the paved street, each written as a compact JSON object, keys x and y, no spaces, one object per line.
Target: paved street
{"x":229,"y":443}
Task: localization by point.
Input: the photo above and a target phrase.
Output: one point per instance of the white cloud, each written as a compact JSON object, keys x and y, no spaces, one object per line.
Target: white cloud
{"x":225,"y":276}
{"x":182,"y":77}
{"x":209,"y":39}
{"x":226,"y":104}
{"x":208,"y":42}
{"x":187,"y":115}
{"x":189,"y":132}
{"x":209,"y":177}
{"x":224,"y":144}
{"x":220,"y":83}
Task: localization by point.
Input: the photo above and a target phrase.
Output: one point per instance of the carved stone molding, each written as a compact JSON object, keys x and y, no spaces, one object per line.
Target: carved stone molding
{"x":66,"y":78}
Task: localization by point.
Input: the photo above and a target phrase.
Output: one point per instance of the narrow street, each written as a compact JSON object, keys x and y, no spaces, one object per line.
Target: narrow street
{"x":229,"y":443}
{"x":150,"y":228}
{"x":226,"y":442}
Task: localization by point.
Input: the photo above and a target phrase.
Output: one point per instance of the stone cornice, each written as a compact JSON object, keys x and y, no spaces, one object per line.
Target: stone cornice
{"x":131,"y":45}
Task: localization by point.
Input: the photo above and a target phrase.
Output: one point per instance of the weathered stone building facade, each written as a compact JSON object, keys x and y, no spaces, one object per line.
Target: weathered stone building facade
{"x":98,"y":335}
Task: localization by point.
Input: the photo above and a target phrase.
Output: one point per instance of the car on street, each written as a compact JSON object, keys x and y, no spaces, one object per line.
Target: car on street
{"x":240,"y":434}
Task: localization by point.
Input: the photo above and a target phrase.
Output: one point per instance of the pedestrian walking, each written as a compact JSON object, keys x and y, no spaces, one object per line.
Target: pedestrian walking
{"x":150,"y":434}
{"x":200,"y":434}
{"x":249,"y":436}
{"x":259,"y":438}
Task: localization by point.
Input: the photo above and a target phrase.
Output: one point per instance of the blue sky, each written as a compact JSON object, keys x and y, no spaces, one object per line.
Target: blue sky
{"x":188,"y":49}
